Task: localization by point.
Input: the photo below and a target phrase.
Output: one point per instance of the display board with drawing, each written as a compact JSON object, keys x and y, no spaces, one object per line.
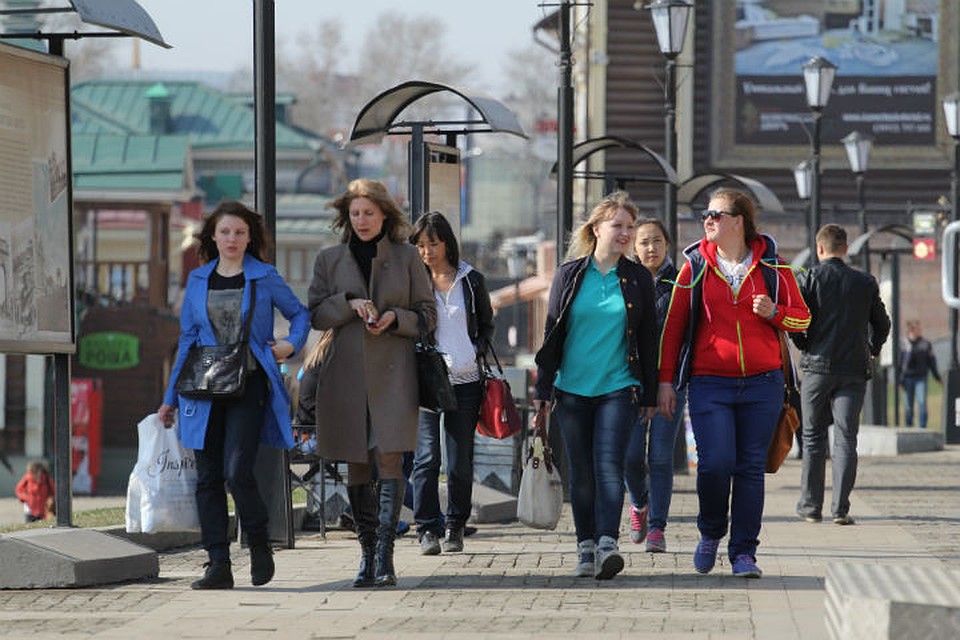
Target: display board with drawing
{"x":36,"y":248}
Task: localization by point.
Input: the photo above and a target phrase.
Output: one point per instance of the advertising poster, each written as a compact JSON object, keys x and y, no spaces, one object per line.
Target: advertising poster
{"x":36,"y":308}
{"x":895,"y":59}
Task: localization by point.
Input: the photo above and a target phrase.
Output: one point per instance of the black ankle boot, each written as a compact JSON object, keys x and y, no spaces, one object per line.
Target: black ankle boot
{"x":261,"y":564}
{"x":217,"y":576}
{"x":391,"y":501}
{"x":363,"y":504}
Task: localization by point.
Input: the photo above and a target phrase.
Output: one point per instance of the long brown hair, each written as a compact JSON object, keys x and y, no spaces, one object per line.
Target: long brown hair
{"x":259,"y":245}
{"x":395,"y":226}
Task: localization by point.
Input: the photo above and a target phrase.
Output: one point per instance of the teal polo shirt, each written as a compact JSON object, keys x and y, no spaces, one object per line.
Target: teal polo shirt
{"x":595,"y":350}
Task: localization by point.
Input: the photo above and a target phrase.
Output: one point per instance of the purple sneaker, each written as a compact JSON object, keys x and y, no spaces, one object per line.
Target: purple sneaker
{"x":706,"y":554}
{"x":745,"y":566}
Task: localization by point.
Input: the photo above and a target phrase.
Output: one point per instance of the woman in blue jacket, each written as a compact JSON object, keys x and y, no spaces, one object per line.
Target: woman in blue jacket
{"x":227,"y":433}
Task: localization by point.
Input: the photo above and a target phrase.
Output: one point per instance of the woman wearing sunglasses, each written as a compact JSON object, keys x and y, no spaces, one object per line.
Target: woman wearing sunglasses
{"x":721,"y":342}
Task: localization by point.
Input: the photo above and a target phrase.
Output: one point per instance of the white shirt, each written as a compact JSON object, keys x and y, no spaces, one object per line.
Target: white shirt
{"x":452,"y":337}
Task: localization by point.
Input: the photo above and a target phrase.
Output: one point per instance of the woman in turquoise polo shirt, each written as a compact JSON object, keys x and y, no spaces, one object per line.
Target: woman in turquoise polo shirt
{"x":598,"y":368}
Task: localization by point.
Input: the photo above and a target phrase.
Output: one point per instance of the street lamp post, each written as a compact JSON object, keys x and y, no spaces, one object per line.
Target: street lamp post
{"x":818,"y":76}
{"x":670,"y":22}
{"x":858,"y":148}
{"x":803,"y":177}
{"x":951,"y":114}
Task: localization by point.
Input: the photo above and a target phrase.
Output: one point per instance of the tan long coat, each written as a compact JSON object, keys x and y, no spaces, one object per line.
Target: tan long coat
{"x":361,"y":370}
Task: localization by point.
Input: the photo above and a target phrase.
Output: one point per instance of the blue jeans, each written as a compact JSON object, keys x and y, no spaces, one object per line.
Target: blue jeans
{"x":459,"y":427}
{"x":915,"y":387}
{"x":733,"y":421}
{"x":595,"y":434}
{"x":228,"y":456}
{"x":659,"y":457}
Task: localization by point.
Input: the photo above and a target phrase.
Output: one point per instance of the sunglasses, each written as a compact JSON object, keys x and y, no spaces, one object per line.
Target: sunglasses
{"x":711,"y":214}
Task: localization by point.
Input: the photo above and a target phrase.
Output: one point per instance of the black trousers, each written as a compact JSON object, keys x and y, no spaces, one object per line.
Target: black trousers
{"x":226,"y":462}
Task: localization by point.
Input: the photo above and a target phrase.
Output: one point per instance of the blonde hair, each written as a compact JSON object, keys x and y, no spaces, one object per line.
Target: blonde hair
{"x":319,"y":349}
{"x":395,"y":225}
{"x":584,"y":241}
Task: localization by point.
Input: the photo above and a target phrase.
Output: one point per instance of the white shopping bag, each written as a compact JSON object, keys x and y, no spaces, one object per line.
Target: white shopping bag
{"x":161,"y":492}
{"x":541,"y":491}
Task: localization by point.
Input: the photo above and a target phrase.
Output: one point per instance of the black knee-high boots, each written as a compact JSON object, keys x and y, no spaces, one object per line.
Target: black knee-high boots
{"x":391,"y":501}
{"x":363,"y":503}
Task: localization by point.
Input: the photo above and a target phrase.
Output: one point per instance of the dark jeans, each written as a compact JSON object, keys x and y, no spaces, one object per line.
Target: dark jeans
{"x":228,"y":455}
{"x":595,"y":432}
{"x":459,"y":427}
{"x":733,"y":421}
{"x":915,"y":389}
{"x":829,"y":399}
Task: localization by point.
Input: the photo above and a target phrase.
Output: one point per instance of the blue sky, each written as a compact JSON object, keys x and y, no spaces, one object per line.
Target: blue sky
{"x":217,"y":34}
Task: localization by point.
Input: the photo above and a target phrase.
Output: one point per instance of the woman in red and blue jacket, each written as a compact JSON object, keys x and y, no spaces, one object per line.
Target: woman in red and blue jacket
{"x":720,"y":339}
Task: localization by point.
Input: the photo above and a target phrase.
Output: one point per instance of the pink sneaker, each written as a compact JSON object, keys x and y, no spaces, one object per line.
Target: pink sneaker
{"x":638,"y":524}
{"x":656,"y":543}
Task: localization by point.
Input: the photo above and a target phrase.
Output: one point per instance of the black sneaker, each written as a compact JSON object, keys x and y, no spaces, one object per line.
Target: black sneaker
{"x":216,"y":576}
{"x":261,"y":564}
{"x":453,"y":542}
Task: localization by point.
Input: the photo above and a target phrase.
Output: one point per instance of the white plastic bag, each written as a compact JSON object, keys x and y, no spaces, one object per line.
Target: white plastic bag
{"x":541,"y":492}
{"x":161,"y":492}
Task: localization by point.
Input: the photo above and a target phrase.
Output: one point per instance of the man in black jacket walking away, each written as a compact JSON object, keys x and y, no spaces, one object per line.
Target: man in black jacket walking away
{"x":848,"y":325}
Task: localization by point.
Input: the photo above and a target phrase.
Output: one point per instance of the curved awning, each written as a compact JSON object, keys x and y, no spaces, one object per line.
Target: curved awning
{"x":855,"y":247}
{"x":692,"y":188}
{"x":122,"y":16}
{"x":376,"y":118}
{"x":583,"y":150}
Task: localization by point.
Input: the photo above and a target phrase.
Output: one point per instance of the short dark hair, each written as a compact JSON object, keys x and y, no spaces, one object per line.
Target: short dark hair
{"x":658,"y":223}
{"x":833,"y":238}
{"x":260,"y":244}
{"x":435,"y":225}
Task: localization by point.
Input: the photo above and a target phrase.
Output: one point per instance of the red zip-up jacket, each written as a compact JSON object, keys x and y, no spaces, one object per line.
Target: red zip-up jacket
{"x":731,"y":340}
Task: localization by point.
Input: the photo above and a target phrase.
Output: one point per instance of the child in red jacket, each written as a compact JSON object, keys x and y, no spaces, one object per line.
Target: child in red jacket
{"x":35,"y":490}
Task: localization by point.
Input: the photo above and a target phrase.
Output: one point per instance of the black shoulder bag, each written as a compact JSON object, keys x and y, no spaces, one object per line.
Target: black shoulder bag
{"x":219,"y":371}
{"x":433,"y":378}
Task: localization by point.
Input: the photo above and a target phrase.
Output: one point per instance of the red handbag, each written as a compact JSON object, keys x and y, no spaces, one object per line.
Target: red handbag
{"x":499,"y":417}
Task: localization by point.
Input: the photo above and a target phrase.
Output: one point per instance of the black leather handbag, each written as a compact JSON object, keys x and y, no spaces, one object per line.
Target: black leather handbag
{"x":433,"y":378}
{"x":218,"y":372}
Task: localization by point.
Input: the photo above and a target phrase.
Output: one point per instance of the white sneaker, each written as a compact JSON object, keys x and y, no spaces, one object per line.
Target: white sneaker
{"x":586,"y":552}
{"x":609,"y":562}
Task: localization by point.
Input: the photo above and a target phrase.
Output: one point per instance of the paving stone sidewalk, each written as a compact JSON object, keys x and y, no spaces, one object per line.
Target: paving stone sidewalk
{"x":514,"y":582}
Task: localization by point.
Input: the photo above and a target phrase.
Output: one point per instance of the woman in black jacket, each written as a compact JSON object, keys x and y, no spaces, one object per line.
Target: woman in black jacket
{"x":599,"y":362}
{"x":464,"y":329}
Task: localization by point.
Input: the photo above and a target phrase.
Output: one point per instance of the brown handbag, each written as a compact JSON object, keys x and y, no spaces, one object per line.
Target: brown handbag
{"x":789,"y":420}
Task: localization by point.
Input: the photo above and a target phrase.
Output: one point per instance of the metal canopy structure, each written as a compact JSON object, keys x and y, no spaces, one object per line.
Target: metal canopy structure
{"x":585,"y":149}
{"x":376,"y":118}
{"x":692,"y":188}
{"x":855,"y":247}
{"x":124,"y":17}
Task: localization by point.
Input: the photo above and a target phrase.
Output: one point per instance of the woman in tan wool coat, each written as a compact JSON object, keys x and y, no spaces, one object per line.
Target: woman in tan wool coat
{"x":370,"y":290}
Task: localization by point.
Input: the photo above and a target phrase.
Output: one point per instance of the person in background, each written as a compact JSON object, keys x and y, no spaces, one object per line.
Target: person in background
{"x":36,"y":491}
{"x":227,"y":433}
{"x":916,"y":362}
{"x":721,"y":339}
{"x":597,"y":368}
{"x":648,"y":467}
{"x":373,"y":293}
{"x":464,"y":329}
{"x":848,"y":325}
